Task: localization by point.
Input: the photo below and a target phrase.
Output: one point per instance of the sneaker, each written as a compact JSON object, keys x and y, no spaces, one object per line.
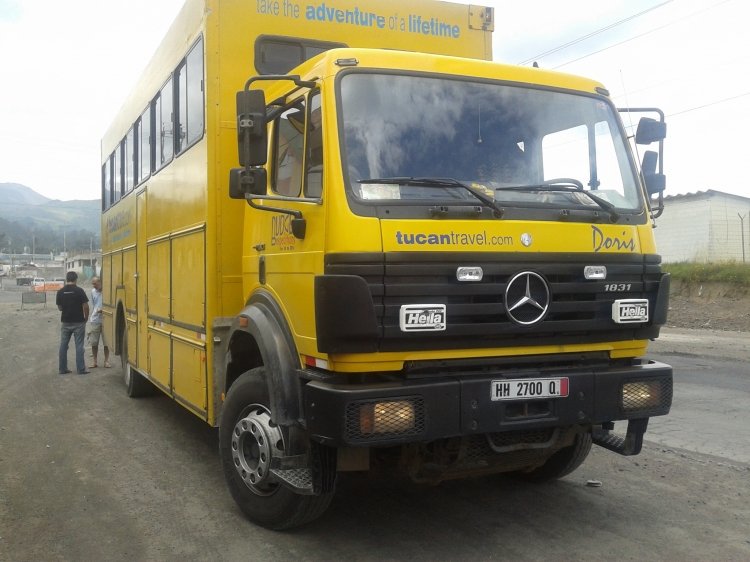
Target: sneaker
{"x":83,"y":372}
{"x":66,"y":372}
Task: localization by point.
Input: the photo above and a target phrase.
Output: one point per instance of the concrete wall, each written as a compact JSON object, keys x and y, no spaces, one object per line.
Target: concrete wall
{"x":704,"y":227}
{"x":682,"y":231}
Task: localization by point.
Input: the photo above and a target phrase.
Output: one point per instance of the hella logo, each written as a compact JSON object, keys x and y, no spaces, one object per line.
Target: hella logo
{"x":422,"y":318}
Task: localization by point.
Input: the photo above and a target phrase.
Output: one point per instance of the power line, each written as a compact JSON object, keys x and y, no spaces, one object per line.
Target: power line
{"x":641,"y":34}
{"x":709,"y":104}
{"x":592,"y":34}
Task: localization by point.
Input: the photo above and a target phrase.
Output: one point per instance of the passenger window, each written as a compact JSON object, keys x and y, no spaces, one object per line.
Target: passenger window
{"x":144,"y":145}
{"x":164,"y":130}
{"x":190,"y":98}
{"x":117,"y":175}
{"x":279,"y":55}
{"x":288,"y":153}
{"x":129,"y":163}
{"x":314,"y":159}
{"x":106,"y":183}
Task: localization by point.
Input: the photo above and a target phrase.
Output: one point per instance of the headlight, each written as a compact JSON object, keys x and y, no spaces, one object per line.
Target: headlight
{"x":641,"y":395}
{"x":386,"y":417}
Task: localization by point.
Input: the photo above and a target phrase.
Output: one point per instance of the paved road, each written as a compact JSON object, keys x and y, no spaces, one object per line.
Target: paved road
{"x":710,"y":408}
{"x":88,"y":474}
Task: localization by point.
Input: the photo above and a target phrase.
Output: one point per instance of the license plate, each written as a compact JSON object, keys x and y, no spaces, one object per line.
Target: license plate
{"x":527,"y":389}
{"x":626,"y":311}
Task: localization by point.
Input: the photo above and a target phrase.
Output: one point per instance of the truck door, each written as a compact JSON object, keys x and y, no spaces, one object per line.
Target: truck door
{"x":287,"y":264}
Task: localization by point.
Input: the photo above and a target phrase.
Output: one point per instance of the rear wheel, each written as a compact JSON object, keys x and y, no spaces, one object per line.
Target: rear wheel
{"x":248,"y":440}
{"x":136,"y":384}
{"x":563,"y":462}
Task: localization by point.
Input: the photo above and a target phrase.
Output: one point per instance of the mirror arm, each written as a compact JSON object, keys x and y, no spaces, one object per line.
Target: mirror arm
{"x":299,"y":224}
{"x":656,"y":213}
{"x":316,"y":200}
{"x":291,"y":77}
{"x":251,"y":201}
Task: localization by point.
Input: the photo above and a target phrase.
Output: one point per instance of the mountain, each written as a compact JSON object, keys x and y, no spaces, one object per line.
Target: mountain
{"x":17,"y":193}
{"x":19,"y":203}
{"x":30,"y":220}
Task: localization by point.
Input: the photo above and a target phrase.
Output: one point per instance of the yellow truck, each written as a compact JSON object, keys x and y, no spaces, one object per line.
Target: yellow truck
{"x":340,"y":234}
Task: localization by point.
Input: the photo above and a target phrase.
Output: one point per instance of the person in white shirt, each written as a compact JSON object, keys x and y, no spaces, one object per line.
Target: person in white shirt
{"x":94,"y":326}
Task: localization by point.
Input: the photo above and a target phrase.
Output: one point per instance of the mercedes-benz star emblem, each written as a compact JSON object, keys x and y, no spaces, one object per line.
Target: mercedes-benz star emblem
{"x":527,"y":298}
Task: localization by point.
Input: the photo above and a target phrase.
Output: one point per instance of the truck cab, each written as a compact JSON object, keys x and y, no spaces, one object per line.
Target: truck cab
{"x":449,"y":266}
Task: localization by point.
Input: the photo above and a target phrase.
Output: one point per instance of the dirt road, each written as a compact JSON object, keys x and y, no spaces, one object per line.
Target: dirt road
{"x":89,"y":474}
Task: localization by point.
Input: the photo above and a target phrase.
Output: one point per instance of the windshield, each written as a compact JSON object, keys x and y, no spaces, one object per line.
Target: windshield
{"x":520,"y":146}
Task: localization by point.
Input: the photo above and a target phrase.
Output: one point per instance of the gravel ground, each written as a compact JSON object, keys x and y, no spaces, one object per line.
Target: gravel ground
{"x":89,"y":474}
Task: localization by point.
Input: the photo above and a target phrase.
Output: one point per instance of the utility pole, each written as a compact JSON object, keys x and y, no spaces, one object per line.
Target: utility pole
{"x":742,"y":231}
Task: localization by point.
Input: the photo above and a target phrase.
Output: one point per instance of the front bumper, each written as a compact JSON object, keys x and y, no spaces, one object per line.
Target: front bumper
{"x":451,"y":406}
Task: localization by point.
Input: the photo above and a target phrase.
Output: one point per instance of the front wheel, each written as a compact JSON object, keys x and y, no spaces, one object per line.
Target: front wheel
{"x":248,"y":440}
{"x":563,"y":462}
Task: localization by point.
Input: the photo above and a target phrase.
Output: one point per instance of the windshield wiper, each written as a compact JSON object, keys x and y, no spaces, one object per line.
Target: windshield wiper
{"x":438,"y":182}
{"x":565,"y":186}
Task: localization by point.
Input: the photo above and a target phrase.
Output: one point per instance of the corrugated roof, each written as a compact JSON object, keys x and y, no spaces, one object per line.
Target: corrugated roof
{"x":708,"y":194}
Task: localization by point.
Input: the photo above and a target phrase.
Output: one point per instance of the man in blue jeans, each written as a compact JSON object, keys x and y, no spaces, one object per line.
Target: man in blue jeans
{"x":74,"y":304}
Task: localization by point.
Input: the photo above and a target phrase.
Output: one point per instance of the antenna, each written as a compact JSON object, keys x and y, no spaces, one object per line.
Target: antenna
{"x":479,"y":124}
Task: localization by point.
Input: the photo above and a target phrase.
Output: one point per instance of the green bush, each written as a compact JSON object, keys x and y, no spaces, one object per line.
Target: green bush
{"x":730,"y":272}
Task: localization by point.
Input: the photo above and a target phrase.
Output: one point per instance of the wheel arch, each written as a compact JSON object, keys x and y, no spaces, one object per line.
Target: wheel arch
{"x":265,"y":339}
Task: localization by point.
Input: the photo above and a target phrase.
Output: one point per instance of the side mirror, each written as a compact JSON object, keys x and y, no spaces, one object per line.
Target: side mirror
{"x":650,"y":130}
{"x":244,"y":181}
{"x":655,"y":182}
{"x":252,"y":133}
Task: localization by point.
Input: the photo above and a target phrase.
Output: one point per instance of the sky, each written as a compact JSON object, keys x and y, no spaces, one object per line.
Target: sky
{"x":66,"y":68}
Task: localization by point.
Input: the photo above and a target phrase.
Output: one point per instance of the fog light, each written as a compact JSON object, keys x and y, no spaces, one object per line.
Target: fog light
{"x":386,"y":417}
{"x":641,"y":395}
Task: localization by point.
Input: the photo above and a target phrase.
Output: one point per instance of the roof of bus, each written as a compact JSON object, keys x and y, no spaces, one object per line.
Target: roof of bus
{"x":231,"y":29}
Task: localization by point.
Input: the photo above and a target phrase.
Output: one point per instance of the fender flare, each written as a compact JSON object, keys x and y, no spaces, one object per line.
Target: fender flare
{"x":268,"y":327}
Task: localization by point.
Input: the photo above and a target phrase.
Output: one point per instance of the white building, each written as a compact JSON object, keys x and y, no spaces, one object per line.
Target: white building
{"x":708,"y":226}
{"x":86,"y":265}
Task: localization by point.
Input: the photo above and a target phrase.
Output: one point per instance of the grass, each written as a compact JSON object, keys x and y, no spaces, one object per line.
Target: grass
{"x":731,"y":272}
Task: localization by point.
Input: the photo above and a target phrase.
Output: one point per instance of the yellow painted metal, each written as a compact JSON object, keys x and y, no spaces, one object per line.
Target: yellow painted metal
{"x":128,"y":277}
{"x":394,"y":361}
{"x":186,"y":251}
{"x":159,"y":281}
{"x":188,"y":282}
{"x":189,"y":369}
{"x":504,"y":236}
{"x":140,"y":349}
{"x":132,"y":335}
{"x":176,"y":282}
{"x":159,"y":354}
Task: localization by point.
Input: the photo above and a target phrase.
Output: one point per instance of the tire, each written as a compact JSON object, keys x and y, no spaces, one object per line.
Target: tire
{"x":562,"y":463}
{"x":266,"y":503}
{"x":136,"y":384}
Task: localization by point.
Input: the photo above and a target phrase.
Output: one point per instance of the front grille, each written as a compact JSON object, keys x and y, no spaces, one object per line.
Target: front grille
{"x":532,"y":439}
{"x":580,"y":310}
